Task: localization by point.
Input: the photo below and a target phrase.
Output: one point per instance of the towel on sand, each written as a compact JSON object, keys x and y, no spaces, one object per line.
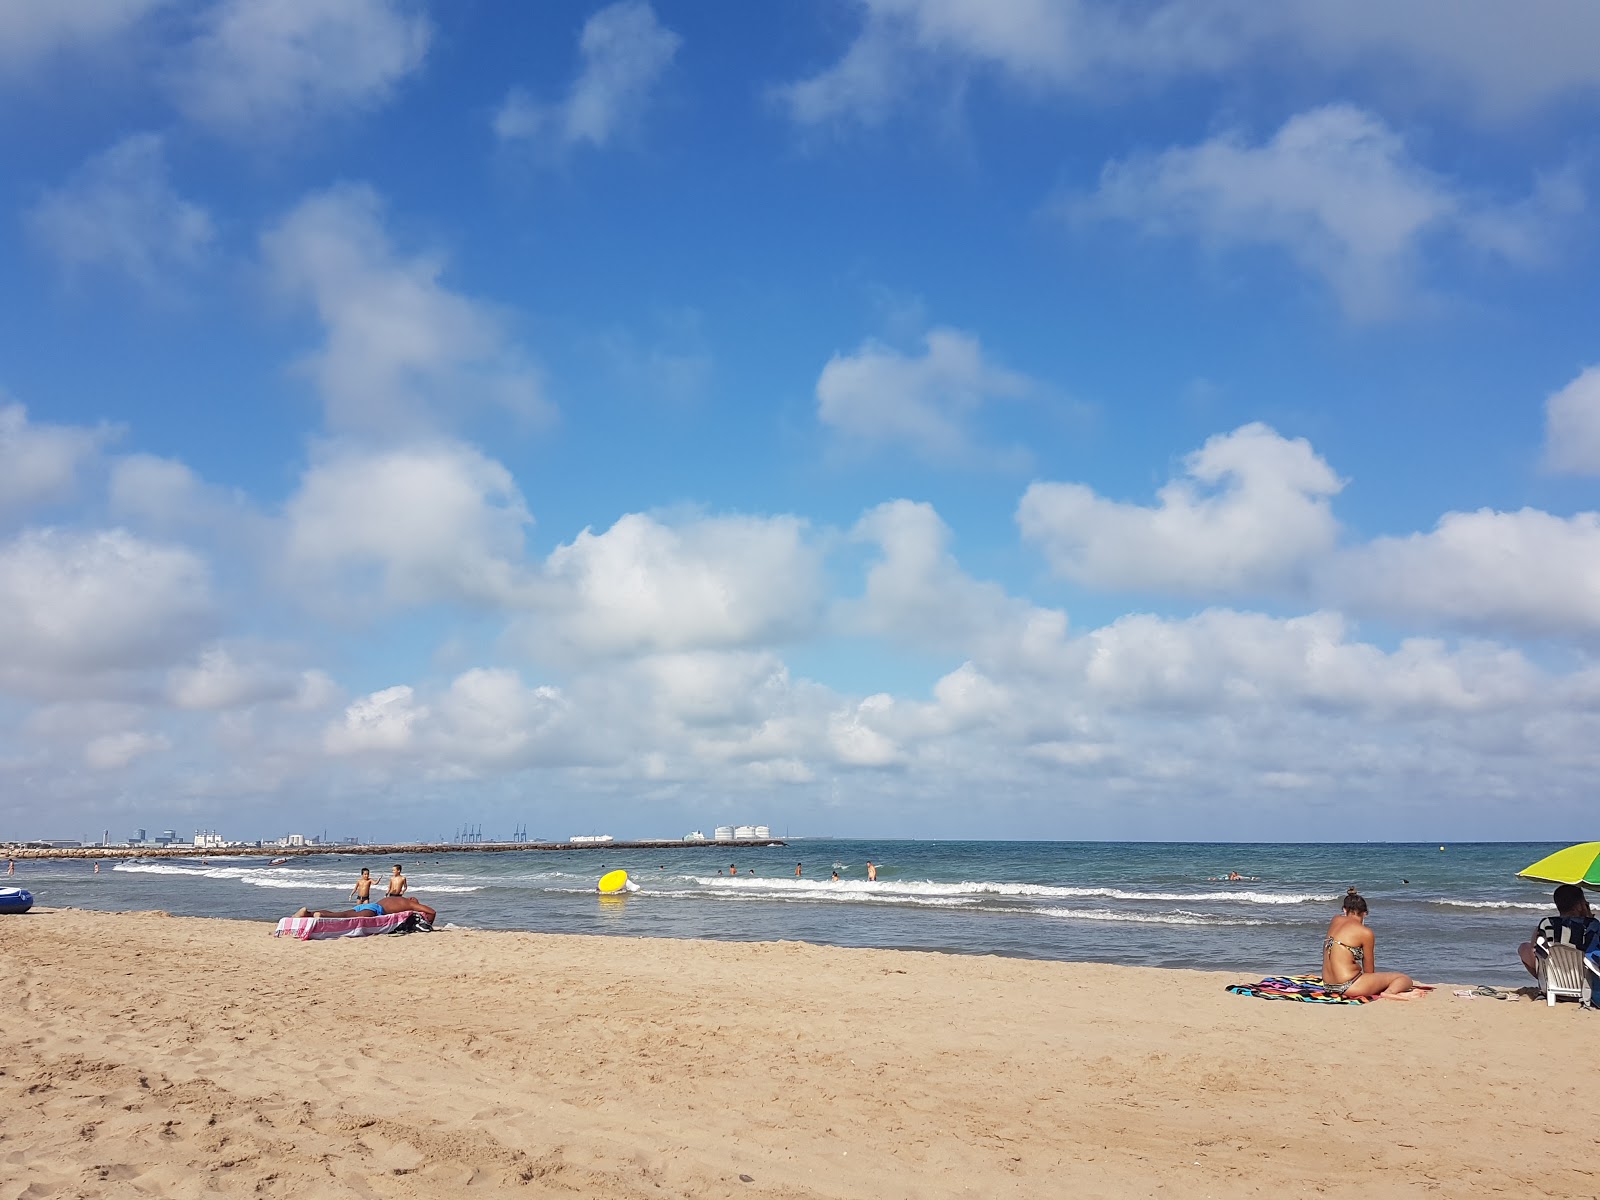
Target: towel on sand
{"x":1306,"y":988}
{"x":316,"y":928}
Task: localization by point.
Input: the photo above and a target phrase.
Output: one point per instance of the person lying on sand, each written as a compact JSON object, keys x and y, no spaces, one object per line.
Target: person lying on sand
{"x":374,"y":908}
{"x":1350,"y":958}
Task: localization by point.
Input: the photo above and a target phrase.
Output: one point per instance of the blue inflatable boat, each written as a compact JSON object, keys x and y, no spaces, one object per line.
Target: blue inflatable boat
{"x":15,"y":900}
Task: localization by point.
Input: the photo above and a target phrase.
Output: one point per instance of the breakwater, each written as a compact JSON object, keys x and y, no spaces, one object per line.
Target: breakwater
{"x":395,"y":850}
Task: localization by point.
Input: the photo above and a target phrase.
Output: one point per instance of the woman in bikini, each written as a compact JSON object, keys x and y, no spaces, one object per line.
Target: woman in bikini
{"x":1350,"y":958}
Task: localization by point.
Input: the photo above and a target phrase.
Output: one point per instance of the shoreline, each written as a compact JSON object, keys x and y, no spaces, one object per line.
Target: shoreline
{"x":196,"y":1056}
{"x":390,"y":850}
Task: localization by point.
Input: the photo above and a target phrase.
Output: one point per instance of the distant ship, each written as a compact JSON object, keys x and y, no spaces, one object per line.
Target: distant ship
{"x":590,"y":839}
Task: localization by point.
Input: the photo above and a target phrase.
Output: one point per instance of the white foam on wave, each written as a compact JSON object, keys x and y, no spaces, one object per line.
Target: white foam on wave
{"x":1500,"y":904}
{"x":989,"y":888}
{"x":285,"y":878}
{"x":1146,"y":918}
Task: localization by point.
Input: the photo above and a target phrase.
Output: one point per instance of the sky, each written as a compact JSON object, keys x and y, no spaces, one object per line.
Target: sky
{"x":882,"y":418}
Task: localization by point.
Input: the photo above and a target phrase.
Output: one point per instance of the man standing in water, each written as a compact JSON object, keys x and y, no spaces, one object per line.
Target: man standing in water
{"x":798,"y":870}
{"x":397,"y":882}
{"x":872,"y":872}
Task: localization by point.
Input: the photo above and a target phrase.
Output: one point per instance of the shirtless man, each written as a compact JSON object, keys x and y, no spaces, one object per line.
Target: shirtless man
{"x":363,"y":888}
{"x":872,"y":872}
{"x":373,"y":908}
{"x":397,"y":882}
{"x":799,"y":870}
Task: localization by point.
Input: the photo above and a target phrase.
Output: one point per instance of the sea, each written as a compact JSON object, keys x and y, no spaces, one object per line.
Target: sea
{"x":1440,"y":912}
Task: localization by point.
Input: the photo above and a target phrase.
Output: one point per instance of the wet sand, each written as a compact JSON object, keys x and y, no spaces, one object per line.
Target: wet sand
{"x":148,"y":1055}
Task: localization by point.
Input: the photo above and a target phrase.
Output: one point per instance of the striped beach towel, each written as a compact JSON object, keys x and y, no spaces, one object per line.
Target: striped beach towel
{"x":309,"y":929}
{"x":1308,"y":989}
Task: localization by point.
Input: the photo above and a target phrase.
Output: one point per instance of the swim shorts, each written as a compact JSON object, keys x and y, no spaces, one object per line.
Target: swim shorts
{"x":375,"y":909}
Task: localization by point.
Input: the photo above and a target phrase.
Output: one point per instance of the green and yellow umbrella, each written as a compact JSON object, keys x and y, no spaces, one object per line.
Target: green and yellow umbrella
{"x":1575,"y":864}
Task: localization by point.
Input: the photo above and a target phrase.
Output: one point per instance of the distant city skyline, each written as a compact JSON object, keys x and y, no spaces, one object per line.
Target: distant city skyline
{"x":932,"y":418}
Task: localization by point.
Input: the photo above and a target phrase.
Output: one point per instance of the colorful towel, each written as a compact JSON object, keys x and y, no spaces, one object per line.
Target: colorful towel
{"x":316,"y":928}
{"x":1308,"y":989}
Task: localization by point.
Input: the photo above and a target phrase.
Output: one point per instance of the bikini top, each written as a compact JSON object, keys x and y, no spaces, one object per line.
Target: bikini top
{"x":1357,"y":953}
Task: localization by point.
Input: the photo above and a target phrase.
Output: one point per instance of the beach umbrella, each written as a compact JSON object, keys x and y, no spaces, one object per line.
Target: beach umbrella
{"x":1575,"y":864}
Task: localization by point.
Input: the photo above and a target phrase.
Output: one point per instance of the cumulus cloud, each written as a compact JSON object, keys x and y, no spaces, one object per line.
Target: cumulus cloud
{"x":1527,"y":572}
{"x":1250,"y":514}
{"x":1335,"y":190}
{"x":113,"y":751}
{"x":259,"y":68}
{"x":882,"y":398}
{"x":1449,"y":53}
{"x":119,"y":212}
{"x":382,"y":721}
{"x":1572,"y":426}
{"x":32,"y":33}
{"x":39,"y":464}
{"x":625,"y":51}
{"x":222,"y":679}
{"x":645,"y":586}
{"x":409,"y":525}
{"x":918,"y":595}
{"x":106,"y":600}
{"x":403,"y":352}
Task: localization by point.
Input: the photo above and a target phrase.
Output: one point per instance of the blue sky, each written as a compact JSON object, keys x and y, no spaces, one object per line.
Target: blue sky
{"x":880,"y":417}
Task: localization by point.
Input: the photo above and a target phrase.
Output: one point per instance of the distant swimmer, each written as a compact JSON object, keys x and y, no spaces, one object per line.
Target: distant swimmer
{"x":799,"y":870}
{"x":397,"y":882}
{"x":363,"y":889}
{"x":97,"y":868}
{"x":732,"y":870}
{"x":872,"y":872}
{"x":836,"y":877}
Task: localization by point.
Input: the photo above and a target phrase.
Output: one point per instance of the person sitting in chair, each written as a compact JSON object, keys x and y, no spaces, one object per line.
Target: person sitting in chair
{"x":1574,"y":924}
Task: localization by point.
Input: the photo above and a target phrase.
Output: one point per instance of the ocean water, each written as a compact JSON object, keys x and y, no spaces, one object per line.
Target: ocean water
{"x":1453,"y":914}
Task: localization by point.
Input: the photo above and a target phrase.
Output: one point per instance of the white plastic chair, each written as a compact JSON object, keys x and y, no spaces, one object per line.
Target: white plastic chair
{"x":1562,"y":971}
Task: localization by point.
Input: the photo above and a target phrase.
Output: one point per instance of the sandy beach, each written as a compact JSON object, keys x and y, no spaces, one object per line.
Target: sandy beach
{"x":152,"y":1055}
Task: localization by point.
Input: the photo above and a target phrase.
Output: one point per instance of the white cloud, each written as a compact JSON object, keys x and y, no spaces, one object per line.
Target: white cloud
{"x":260,"y":68}
{"x":1251,"y":514}
{"x":1220,"y":659}
{"x":113,"y":751}
{"x":1572,"y":426}
{"x":1335,"y":190}
{"x":917,"y":593}
{"x":118,"y":211}
{"x":1445,"y":52}
{"x":39,"y":464}
{"x":711,"y":582}
{"x":86,"y":602}
{"x":403,"y":353}
{"x":1527,"y":572}
{"x":223,"y":679}
{"x":383,"y":721}
{"x":410,"y":525}
{"x":926,"y":404}
{"x":32,"y":32}
{"x":625,"y":51}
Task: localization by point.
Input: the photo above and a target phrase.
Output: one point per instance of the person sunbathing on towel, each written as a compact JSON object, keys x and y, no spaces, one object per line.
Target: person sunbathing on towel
{"x":1350,"y":958}
{"x":375,"y":908}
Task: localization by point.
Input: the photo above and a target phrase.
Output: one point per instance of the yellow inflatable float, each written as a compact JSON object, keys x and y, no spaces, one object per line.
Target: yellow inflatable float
{"x":616,"y":883}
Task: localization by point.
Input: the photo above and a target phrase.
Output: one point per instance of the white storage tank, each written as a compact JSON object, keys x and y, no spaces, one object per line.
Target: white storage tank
{"x":724,"y":833}
{"x":744,"y":833}
{"x":763,"y":833}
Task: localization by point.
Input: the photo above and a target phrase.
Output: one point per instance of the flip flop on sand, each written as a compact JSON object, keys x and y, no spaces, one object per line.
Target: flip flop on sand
{"x":1491,"y":992}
